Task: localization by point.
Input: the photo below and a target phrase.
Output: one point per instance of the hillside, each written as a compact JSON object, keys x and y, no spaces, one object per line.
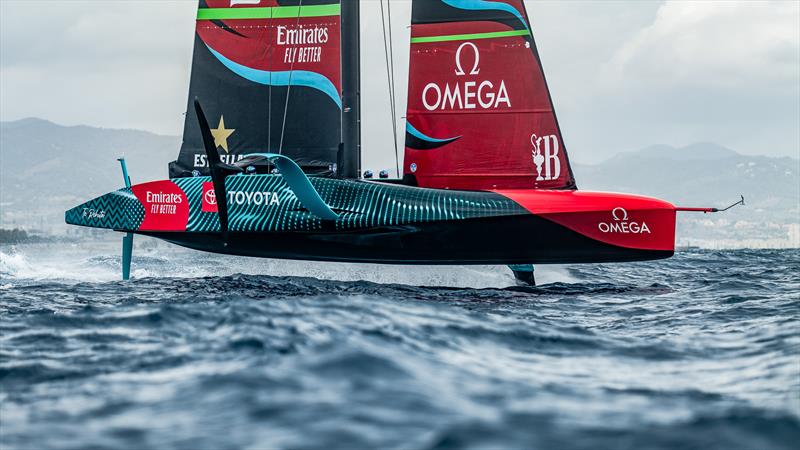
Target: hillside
{"x":699,"y":174}
{"x":45,"y":167}
{"x":707,"y":174}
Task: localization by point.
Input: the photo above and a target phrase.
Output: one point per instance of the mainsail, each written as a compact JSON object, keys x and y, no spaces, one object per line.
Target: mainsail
{"x":268,"y":74}
{"x":480,"y":114}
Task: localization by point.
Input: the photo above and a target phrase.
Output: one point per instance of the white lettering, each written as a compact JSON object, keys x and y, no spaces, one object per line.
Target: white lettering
{"x":475,"y":70}
{"x":545,"y":157}
{"x":94,"y":213}
{"x":622,"y":225}
{"x":438,"y":92}
{"x":469,"y":93}
{"x":253,"y":198}
{"x":160,"y":197}
{"x":552,"y":164}
{"x":463,"y":95}
{"x":452,"y":97}
{"x":200,"y":160}
{"x":489,"y":95}
{"x":502,"y":96}
{"x":302,"y":35}
{"x":244,"y":2}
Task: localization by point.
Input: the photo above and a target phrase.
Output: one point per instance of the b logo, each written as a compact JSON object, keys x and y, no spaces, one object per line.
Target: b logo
{"x":546,"y":159}
{"x":459,"y":68}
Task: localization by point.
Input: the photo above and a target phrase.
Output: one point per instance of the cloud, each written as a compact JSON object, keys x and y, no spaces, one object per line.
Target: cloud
{"x":730,"y":45}
{"x":623,"y":74}
{"x":727,"y":72}
{"x":112,"y":64}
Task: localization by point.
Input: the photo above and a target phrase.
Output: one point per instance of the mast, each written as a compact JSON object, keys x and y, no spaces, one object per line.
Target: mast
{"x":350,"y":165}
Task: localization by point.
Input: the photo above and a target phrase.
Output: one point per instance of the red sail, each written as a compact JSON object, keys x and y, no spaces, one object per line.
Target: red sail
{"x":480,"y":114}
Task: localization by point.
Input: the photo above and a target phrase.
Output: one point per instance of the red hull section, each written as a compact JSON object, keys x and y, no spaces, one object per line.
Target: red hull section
{"x":623,"y":220}
{"x":166,"y":207}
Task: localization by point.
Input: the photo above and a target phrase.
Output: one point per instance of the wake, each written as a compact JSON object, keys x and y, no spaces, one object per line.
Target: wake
{"x":69,"y":263}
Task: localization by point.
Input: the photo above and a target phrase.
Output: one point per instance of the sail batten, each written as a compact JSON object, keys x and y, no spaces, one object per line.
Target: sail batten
{"x":475,"y":73}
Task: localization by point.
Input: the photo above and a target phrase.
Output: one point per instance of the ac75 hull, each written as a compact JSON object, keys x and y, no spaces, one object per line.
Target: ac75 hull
{"x":389,"y":223}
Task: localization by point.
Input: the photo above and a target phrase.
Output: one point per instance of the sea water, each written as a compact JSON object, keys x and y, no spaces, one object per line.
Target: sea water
{"x":207,"y":352}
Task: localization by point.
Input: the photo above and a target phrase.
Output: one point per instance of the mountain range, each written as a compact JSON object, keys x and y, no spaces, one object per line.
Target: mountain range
{"x":46,"y":168}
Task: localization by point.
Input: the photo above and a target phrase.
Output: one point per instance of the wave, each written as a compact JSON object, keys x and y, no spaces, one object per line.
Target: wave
{"x":698,"y":351}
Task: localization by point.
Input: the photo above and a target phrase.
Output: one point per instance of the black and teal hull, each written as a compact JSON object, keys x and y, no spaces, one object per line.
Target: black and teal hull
{"x":382,"y":222}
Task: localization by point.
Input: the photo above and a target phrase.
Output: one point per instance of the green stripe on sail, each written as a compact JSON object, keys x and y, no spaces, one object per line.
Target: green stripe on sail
{"x":468,"y":37}
{"x":276,"y":12}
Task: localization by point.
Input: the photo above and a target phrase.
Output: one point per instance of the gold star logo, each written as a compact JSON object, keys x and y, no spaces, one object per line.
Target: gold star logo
{"x":221,"y":134}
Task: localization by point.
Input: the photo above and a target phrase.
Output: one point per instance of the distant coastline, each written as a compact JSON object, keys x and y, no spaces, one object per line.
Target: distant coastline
{"x":19,"y":236}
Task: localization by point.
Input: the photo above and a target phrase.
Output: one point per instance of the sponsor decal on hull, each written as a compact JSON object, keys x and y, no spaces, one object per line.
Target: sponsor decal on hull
{"x":629,"y":221}
{"x":621,"y":224}
{"x":209,"y":198}
{"x":253,"y":198}
{"x":166,"y":207}
{"x":237,"y":198}
{"x":90,"y":213}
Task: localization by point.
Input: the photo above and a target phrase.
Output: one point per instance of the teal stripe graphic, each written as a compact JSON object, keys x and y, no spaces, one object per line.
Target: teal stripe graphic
{"x":362,"y":205}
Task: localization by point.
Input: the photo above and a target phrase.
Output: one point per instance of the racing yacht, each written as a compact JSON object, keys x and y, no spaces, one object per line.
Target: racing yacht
{"x":270,"y":160}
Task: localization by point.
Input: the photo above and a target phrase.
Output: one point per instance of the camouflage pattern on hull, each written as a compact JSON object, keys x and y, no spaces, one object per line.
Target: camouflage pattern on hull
{"x":265,"y":203}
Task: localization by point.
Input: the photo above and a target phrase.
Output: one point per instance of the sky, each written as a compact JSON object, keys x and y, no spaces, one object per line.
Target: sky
{"x":623,"y":74}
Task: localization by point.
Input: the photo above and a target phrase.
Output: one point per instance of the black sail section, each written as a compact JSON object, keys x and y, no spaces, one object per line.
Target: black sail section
{"x":248,"y":58}
{"x":435,"y":11}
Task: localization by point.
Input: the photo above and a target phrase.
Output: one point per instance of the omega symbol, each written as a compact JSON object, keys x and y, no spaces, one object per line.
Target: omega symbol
{"x":459,"y":68}
{"x":619,"y":213}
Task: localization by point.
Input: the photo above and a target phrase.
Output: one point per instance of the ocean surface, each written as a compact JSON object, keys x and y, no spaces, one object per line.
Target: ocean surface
{"x":701,"y":351}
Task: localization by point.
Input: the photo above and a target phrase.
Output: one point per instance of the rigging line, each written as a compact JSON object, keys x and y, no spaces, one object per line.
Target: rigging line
{"x":394,"y":92}
{"x":268,"y":56}
{"x":390,"y":81}
{"x":289,"y":86}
